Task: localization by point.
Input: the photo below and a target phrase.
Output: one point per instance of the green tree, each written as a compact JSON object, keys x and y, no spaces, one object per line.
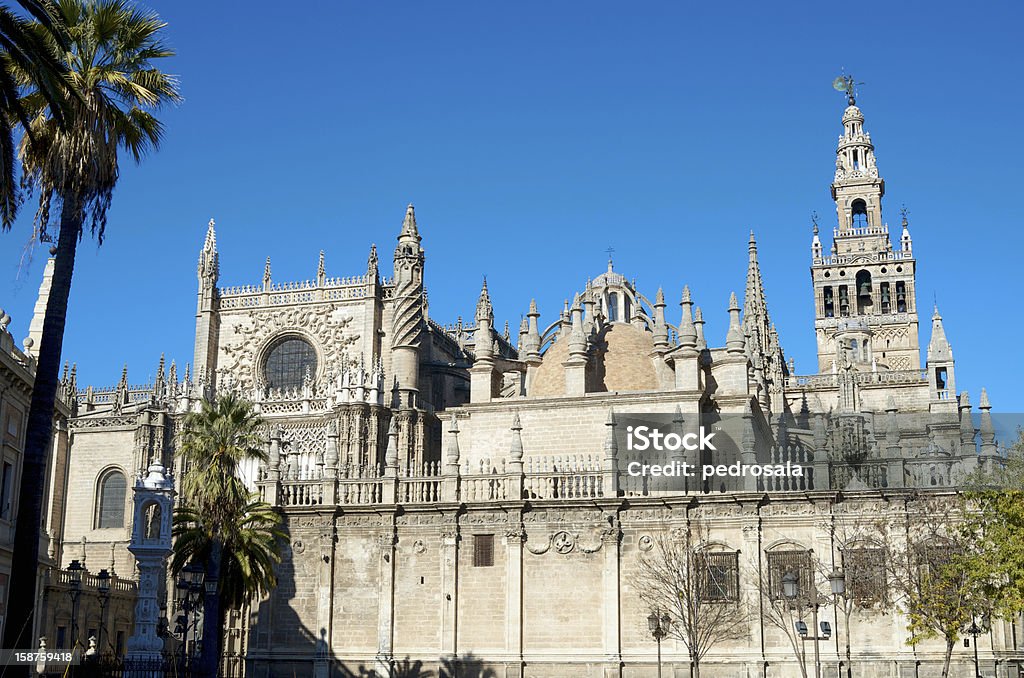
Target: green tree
{"x":23,"y":52}
{"x":994,"y":499}
{"x":112,"y":85}
{"x":932,"y":571}
{"x":219,"y":524}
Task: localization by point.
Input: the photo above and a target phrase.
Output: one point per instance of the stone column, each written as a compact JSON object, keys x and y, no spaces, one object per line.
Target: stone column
{"x":610,"y":539}
{"x":386,"y":601}
{"x":449,"y":589}
{"x":324,"y":601}
{"x":514,"y":538}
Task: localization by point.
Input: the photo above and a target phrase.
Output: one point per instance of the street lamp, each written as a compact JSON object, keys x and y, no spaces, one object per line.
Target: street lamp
{"x":791,"y":590}
{"x":74,"y":570}
{"x":103,"y":586}
{"x":659,"y":626}
{"x":189,"y":588}
{"x":837,"y":582}
{"x":975,"y":630}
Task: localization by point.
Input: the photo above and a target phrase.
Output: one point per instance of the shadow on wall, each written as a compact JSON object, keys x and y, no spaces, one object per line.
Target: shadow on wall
{"x":466,"y":666}
{"x":278,"y":625}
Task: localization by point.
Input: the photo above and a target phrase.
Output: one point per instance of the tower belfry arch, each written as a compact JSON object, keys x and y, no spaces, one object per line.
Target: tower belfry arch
{"x":863,"y":282}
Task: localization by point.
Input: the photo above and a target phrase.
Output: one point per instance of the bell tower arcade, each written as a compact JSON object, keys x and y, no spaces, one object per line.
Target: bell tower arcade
{"x":863,"y":283}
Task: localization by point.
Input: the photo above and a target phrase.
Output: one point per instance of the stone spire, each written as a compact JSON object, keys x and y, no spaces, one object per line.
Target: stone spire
{"x":687,"y":331}
{"x":755,"y":318}
{"x":939,"y":349}
{"x":660,"y":327}
{"x":266,"y":275}
{"x":483,"y":346}
{"x":408,"y":315}
{"x":815,"y":241}
{"x":905,"y":242}
{"x":734,"y":343}
{"x":988,"y":433}
{"x":409,"y":230}
{"x":515,"y":452}
{"x":698,"y":322}
{"x":532,"y":343}
{"x":209,"y":260}
{"x":372,"y":265}
{"x":577,"y":338}
{"x":321,"y":274}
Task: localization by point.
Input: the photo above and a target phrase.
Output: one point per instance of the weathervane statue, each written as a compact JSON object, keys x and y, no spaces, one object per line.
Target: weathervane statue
{"x":845,"y":83}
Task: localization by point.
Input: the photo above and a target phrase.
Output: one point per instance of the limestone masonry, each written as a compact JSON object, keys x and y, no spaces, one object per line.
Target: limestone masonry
{"x":459,"y":491}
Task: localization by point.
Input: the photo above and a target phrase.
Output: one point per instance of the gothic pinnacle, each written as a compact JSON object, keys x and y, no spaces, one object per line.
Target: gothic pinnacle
{"x":698,"y":322}
{"x":409,"y":224}
{"x":320,"y":268}
{"x":266,"y":273}
{"x":484,"y":310}
{"x":687,"y":331}
{"x":734,"y":342}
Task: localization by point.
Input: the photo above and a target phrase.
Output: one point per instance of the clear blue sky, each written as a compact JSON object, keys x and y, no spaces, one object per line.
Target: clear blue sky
{"x":533,"y":135}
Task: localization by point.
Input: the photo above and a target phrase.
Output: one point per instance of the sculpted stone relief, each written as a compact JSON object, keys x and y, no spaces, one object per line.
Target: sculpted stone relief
{"x":326,"y":325}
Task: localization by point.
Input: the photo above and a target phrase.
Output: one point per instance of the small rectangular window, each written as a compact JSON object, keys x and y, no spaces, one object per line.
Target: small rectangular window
{"x":6,"y":491}
{"x":483,"y":550}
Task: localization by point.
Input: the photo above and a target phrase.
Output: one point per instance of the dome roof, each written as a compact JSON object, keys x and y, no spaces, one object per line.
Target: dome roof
{"x":620,"y":361}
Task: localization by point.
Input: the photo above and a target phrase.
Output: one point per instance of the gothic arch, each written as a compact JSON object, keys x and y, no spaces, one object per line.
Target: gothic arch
{"x":111,"y":498}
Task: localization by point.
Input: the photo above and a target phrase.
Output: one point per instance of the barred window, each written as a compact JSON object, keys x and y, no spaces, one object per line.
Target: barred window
{"x":112,"y":493}
{"x":483,"y":550}
{"x":934,"y":556}
{"x":288,"y":362}
{"x":719,"y":576}
{"x":796,"y":561}
{"x":866,"y":581}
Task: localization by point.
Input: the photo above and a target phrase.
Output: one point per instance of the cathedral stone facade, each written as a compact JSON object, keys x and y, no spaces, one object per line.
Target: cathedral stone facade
{"x":459,"y":493}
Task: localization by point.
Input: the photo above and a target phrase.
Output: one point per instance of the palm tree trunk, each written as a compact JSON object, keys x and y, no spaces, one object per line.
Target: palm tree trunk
{"x":25,"y":568}
{"x":212,"y":632}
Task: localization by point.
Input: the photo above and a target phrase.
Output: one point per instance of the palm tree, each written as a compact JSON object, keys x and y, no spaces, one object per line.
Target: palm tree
{"x":219,"y":524}
{"x":22,"y":50}
{"x":112,"y":86}
{"x":250,"y":551}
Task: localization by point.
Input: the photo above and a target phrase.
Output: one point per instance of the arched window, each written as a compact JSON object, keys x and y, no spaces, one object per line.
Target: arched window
{"x":154,"y":518}
{"x":288,"y":362}
{"x":613,"y":307}
{"x":859,"y":209}
{"x":113,"y":490}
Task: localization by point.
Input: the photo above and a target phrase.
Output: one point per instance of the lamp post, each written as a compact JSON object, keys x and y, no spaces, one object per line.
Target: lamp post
{"x":659,"y":626}
{"x":75,"y":570}
{"x":103,"y":586}
{"x":189,"y":586}
{"x":791,"y":590}
{"x":975,"y":630}
{"x":837,"y":582}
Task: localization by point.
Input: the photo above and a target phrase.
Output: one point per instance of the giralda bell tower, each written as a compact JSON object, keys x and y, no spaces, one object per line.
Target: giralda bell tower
{"x":865,"y":308}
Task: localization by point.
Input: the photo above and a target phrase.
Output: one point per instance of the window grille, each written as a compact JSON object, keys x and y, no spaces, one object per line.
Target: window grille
{"x":866,"y":581}
{"x":483,"y":550}
{"x":719,"y":577}
{"x":288,"y":363}
{"x":782,"y":562}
